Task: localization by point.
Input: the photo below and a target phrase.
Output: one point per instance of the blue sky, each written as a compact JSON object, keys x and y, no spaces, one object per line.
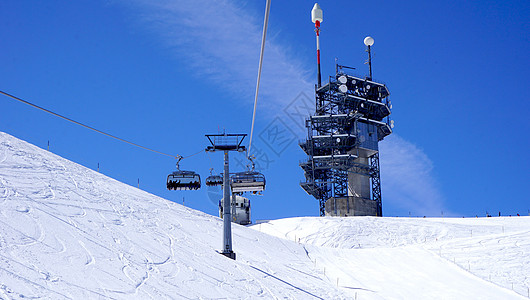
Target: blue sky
{"x":164,"y":73}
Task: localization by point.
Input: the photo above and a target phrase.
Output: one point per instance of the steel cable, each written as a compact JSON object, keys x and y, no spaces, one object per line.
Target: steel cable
{"x":94,"y":129}
{"x":265,"y":23}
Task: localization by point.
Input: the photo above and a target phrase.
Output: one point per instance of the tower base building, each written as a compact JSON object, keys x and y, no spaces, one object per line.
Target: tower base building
{"x":351,"y":206}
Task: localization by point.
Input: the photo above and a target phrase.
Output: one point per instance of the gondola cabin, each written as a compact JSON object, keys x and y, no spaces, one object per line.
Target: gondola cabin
{"x":249,"y":181}
{"x":183,"y":180}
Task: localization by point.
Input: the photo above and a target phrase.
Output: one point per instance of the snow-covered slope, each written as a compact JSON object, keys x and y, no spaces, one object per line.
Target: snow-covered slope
{"x":497,"y":250}
{"x":69,"y":232}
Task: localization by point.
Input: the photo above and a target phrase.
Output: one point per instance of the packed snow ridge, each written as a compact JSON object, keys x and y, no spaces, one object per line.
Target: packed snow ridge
{"x":69,"y":232}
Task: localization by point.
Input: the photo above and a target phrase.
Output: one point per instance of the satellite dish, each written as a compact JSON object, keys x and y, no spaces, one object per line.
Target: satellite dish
{"x":367,"y":86}
{"x":338,"y":140}
{"x":368,"y":41}
{"x":353,"y":81}
{"x":343,"y":79}
{"x":343,"y":88}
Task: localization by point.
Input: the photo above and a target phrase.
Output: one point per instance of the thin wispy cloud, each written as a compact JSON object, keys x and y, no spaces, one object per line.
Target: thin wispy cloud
{"x":220,"y":42}
{"x":407,"y":178}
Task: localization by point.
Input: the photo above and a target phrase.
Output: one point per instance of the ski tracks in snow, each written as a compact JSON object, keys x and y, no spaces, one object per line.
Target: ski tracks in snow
{"x":90,"y":260}
{"x":264,"y":289}
{"x":3,"y":156}
{"x":4,"y":191}
{"x":502,"y":258}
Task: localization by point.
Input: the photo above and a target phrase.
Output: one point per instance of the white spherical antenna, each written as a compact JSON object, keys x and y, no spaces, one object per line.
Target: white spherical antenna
{"x":343,"y":88}
{"x":368,"y":41}
{"x":338,"y":140}
{"x":343,"y":79}
{"x":316,"y":13}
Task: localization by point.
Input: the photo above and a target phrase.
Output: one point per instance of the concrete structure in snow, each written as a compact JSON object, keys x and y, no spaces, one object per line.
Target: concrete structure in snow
{"x":240,"y":210}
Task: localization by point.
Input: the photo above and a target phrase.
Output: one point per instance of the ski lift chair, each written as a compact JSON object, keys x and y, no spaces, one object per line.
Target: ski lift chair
{"x":183,"y":180}
{"x":214,"y":180}
{"x":249,"y":181}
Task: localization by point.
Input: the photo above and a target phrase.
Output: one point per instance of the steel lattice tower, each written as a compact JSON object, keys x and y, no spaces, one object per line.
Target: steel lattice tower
{"x":342,"y":169}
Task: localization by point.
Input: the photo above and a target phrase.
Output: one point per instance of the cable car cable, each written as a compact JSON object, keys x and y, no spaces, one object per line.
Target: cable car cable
{"x":265,"y":22}
{"x":92,"y":128}
{"x":184,"y":157}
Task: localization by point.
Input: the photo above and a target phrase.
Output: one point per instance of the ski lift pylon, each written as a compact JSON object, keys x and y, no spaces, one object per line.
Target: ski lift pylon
{"x":183,"y":180}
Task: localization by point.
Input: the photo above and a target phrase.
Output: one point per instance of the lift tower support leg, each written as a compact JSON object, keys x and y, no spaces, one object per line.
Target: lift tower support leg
{"x":227,"y":216}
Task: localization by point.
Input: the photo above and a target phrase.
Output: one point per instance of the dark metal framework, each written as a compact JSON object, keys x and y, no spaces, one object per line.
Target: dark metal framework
{"x":337,"y":136}
{"x":376,"y":183}
{"x":225,"y":141}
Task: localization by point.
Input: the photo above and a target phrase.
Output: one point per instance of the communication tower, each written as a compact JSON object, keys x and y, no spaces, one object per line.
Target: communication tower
{"x":352,"y":115}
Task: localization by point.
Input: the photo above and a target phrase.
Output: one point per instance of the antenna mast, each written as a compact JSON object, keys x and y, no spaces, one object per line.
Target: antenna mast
{"x":316,"y":17}
{"x":369,"y":41}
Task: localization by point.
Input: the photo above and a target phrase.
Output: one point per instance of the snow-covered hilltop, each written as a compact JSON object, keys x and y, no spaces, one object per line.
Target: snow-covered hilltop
{"x":69,"y":232}
{"x":496,"y":250}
